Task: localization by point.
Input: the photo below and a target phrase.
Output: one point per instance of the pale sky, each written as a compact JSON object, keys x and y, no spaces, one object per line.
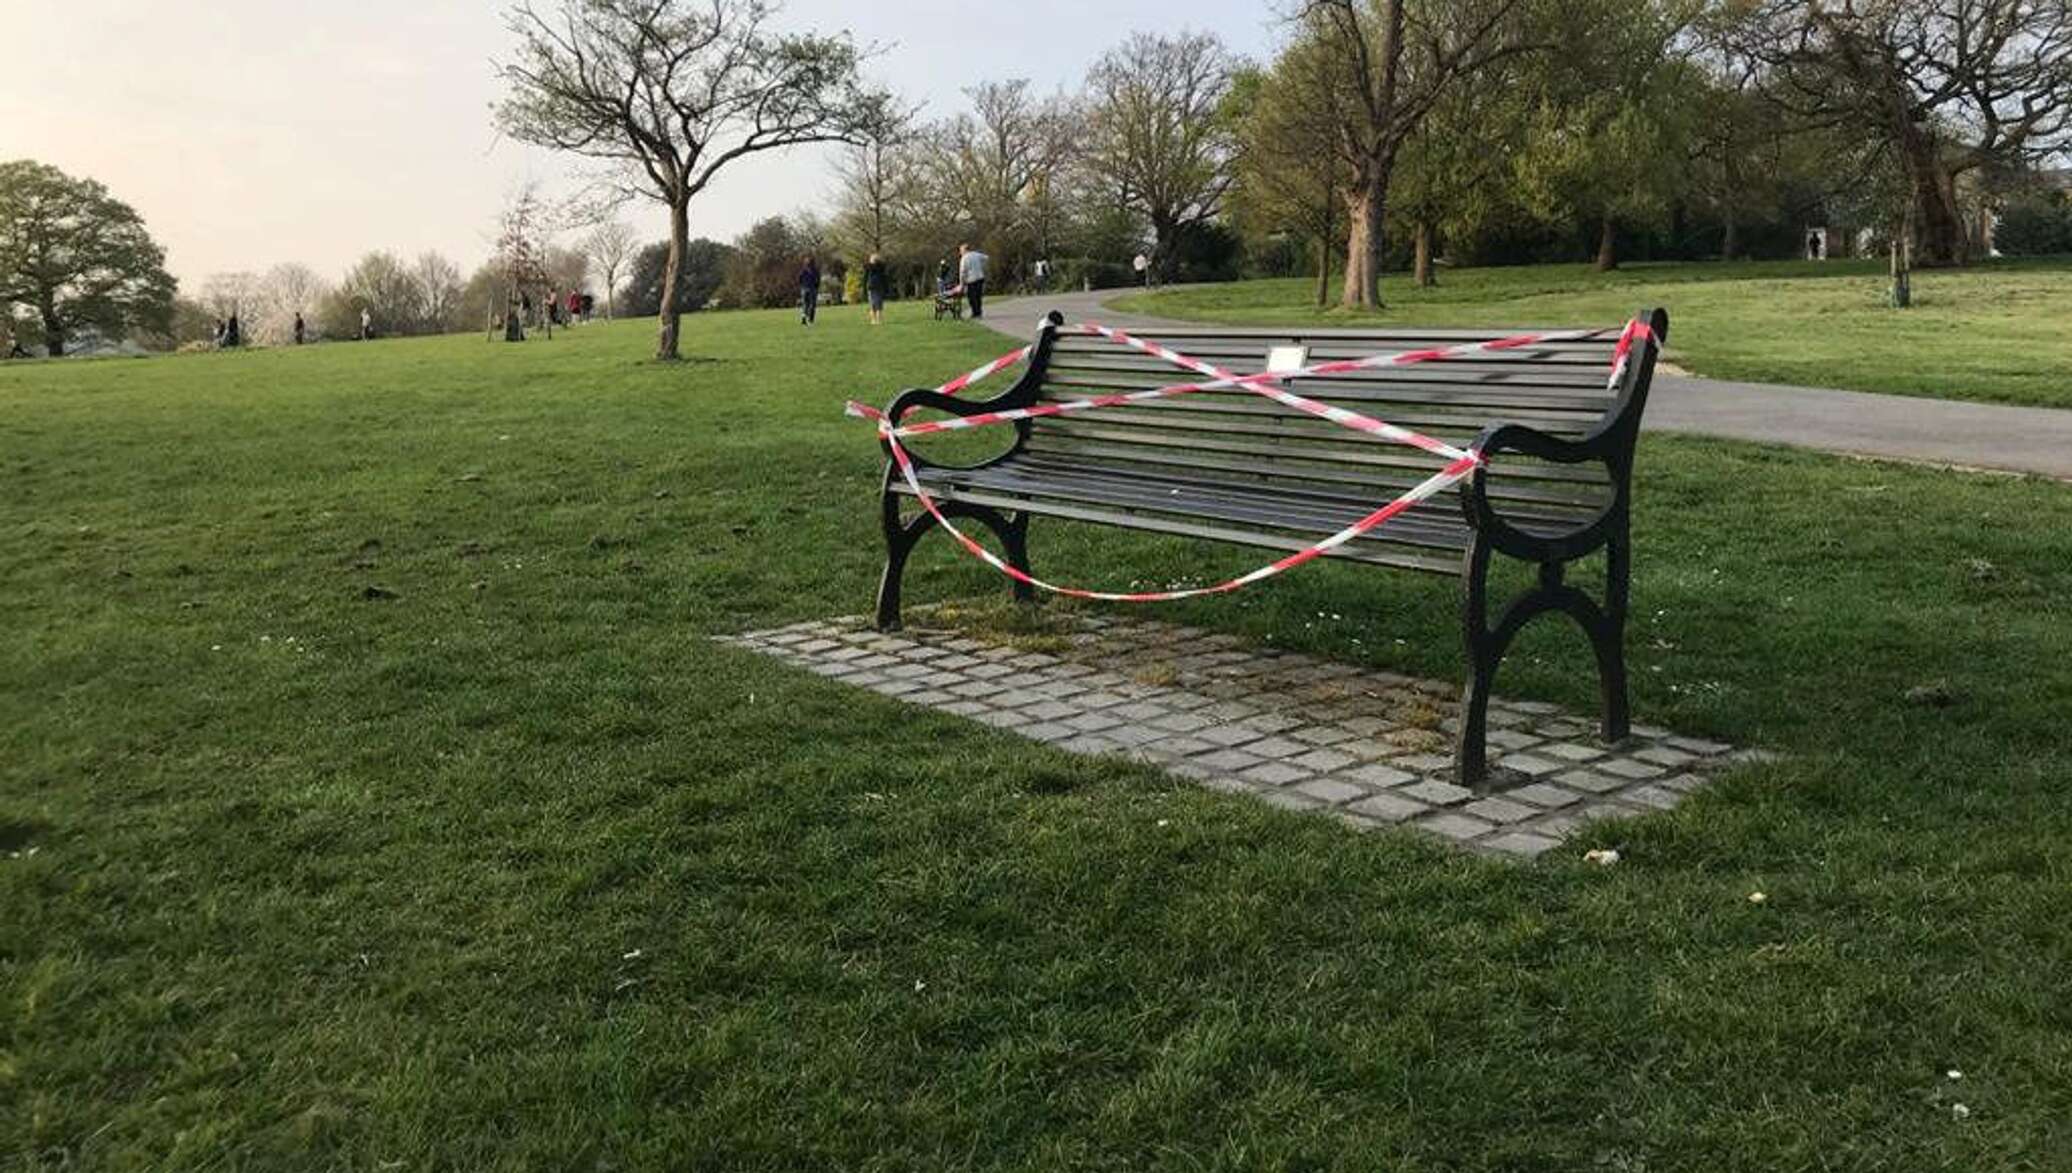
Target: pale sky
{"x":248,"y":132}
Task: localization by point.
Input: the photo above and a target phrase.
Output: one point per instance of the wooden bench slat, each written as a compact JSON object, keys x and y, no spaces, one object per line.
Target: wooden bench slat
{"x":1255,"y":414}
{"x":1404,"y":557}
{"x":1368,"y":485}
{"x":1070,"y":437}
{"x":1336,"y":504}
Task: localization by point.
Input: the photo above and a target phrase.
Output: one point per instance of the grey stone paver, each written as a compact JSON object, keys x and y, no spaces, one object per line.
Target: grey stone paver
{"x":1276,"y":726}
{"x":1543,"y":794}
{"x":1389,"y":808}
{"x":1500,"y":810}
{"x":1439,"y":793}
{"x":1275,"y":774}
{"x":1332,"y":791}
{"x":1380,"y":775}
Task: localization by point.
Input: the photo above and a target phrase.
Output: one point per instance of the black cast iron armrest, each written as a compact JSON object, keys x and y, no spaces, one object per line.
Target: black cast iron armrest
{"x":1611,"y":447}
{"x":1610,"y":443}
{"x":1023,"y":393}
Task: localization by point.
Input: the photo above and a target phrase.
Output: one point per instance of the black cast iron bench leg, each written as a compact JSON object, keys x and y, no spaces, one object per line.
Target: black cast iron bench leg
{"x":1605,"y":625}
{"x":902,"y":535}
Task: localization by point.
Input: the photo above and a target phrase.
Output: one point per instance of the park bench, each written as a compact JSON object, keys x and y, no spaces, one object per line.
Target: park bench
{"x":1229,"y":466}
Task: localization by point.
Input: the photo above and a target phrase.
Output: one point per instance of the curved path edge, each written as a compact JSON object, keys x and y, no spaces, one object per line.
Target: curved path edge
{"x":2032,"y":440}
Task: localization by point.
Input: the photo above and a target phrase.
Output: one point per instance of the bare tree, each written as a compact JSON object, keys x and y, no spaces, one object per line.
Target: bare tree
{"x":1011,"y":147}
{"x":1157,"y":125}
{"x":610,"y":246}
{"x":231,"y":294}
{"x":875,"y":175}
{"x":671,"y":91}
{"x":1948,"y":87}
{"x":287,"y":289}
{"x":439,"y":292}
{"x":1390,"y":61}
{"x":521,"y":255}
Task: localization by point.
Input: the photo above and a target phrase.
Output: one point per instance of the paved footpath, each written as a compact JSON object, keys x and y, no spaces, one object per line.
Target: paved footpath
{"x":1900,"y":427}
{"x":1371,"y":749}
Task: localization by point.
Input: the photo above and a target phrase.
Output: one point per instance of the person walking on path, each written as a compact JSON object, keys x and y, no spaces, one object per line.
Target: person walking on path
{"x":874,"y":283}
{"x":300,"y":329}
{"x":809,"y":290}
{"x":366,"y":324}
{"x":971,"y":270}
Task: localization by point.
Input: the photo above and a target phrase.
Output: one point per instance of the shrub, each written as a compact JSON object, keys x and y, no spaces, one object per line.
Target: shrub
{"x":2034,"y":226}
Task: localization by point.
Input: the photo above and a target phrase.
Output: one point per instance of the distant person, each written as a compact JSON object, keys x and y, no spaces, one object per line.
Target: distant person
{"x":217,"y":337}
{"x":15,"y":350}
{"x":1142,"y":264}
{"x":1812,"y":246}
{"x":1042,"y":275}
{"x":575,"y":306}
{"x":971,"y":272}
{"x":366,"y":324}
{"x":874,"y":286}
{"x":233,"y":336}
{"x":553,"y":307}
{"x":809,"y":290}
{"x":300,"y":329}
{"x":589,"y":306}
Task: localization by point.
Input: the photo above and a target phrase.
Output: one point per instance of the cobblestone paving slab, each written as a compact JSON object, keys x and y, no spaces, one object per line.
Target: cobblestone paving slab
{"x":1301,"y":733}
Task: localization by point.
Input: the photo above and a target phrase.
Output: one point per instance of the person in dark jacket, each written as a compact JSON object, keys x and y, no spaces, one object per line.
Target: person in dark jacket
{"x":875,"y":285}
{"x":809,"y":290}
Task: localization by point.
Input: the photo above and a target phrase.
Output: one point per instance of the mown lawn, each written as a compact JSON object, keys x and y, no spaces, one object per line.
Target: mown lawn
{"x":510,"y":867}
{"x":1995,"y":332}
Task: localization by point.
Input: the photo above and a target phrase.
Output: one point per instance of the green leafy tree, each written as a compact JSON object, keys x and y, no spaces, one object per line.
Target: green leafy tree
{"x":2035,"y":224}
{"x":1607,"y":139}
{"x":1291,"y":175}
{"x":1454,"y":173}
{"x":669,"y":92}
{"x":698,"y":278}
{"x":77,"y":259}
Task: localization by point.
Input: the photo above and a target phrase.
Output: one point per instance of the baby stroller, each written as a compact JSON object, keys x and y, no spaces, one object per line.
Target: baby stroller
{"x":949,"y":300}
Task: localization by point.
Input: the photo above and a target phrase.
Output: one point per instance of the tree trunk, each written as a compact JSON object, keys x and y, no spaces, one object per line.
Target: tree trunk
{"x":1938,"y":221}
{"x":1607,"y":248}
{"x":1164,"y":233}
{"x":53,"y":333}
{"x":1323,"y":271}
{"x":672,"y":314}
{"x":1941,"y":222}
{"x":1363,"y":245}
{"x":1423,"y":264}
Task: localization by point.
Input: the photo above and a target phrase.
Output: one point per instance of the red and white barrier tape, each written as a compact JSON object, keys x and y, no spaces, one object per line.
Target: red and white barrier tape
{"x":1462,"y":463}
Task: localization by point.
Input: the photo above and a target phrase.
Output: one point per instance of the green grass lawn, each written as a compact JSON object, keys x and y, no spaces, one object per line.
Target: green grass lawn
{"x":510,"y":867}
{"x":1995,"y":332}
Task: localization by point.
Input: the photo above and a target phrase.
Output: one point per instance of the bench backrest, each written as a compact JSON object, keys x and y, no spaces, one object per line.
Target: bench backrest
{"x":1558,"y":387}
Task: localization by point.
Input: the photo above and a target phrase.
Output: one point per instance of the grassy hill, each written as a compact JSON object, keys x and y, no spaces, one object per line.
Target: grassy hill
{"x":371,"y":796}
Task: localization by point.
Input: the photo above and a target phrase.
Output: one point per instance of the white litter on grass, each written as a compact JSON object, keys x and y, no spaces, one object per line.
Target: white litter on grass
{"x":633,"y":956}
{"x":1165,"y":822}
{"x":1603,"y":857}
{"x":1960,"y":1111}
{"x":1953,"y":1073}
{"x":919,"y":985}
{"x":1756,"y":897}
